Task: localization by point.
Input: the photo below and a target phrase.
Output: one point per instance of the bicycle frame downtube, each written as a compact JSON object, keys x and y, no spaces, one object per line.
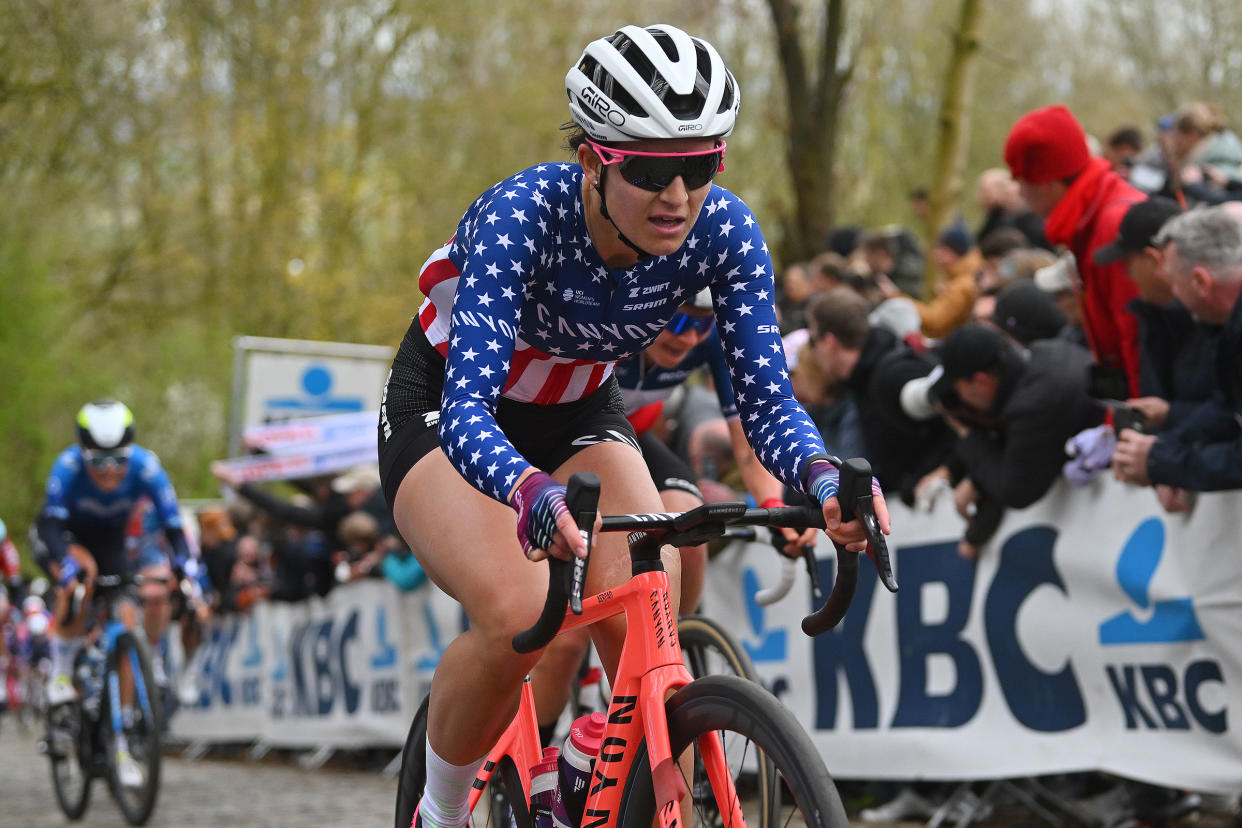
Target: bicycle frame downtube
{"x":650,"y":670}
{"x":520,"y":741}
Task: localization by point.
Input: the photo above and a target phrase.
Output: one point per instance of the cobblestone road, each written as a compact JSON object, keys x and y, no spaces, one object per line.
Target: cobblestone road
{"x":202,"y":793}
{"x":269,"y":794}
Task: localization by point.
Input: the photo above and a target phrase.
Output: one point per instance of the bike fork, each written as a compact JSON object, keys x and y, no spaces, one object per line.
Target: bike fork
{"x":666,"y":775}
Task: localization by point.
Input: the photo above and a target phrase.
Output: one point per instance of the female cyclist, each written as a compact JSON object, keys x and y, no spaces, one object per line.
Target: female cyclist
{"x":503,"y":387}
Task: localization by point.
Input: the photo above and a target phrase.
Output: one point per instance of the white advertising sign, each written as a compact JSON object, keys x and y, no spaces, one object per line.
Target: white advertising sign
{"x":1095,"y":631}
{"x":276,"y":380}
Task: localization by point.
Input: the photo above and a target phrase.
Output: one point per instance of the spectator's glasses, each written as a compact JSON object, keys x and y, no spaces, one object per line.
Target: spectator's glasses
{"x":654,"y":171}
{"x":697,"y":322}
{"x":102,"y":460}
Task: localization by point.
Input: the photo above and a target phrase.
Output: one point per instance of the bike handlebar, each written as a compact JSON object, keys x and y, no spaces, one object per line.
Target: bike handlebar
{"x":709,"y":521}
{"x":565,"y":578}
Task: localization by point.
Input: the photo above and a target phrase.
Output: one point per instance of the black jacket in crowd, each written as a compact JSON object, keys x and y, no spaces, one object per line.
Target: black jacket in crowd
{"x":1042,"y":401}
{"x":1203,"y":451}
{"x":1176,"y":357}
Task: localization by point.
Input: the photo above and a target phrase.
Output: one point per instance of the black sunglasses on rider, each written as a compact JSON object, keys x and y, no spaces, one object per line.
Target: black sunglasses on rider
{"x":654,"y":171}
{"x":104,"y":460}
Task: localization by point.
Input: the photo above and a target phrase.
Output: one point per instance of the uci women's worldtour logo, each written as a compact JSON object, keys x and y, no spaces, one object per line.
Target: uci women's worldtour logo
{"x":579,"y":297}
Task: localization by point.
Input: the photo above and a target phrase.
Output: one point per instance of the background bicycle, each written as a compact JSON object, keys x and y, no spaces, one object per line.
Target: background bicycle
{"x":115,"y":698}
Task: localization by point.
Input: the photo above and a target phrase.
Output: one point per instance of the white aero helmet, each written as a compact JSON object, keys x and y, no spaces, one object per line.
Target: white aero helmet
{"x":653,"y":82}
{"x":105,"y":425}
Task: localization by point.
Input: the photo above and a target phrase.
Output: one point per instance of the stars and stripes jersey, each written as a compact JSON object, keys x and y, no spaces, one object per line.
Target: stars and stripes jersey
{"x":643,"y":384}
{"x":521,"y":305}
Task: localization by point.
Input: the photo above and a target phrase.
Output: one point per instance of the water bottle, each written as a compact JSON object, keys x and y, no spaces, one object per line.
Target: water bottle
{"x":90,"y":676}
{"x":577,"y":758}
{"x":543,"y":791}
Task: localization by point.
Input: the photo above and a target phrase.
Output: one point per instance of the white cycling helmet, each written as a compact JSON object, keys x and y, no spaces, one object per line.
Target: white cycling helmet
{"x":105,"y":424}
{"x":701,"y":300}
{"x":653,"y":82}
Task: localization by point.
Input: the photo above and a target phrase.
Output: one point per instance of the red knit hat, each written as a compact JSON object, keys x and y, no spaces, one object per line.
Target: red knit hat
{"x":1046,"y":145}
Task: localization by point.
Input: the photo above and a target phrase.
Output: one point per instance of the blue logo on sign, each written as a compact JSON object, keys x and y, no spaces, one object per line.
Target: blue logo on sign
{"x":317,"y":386}
{"x":385,"y":653}
{"x":772,"y":643}
{"x":1170,"y":620}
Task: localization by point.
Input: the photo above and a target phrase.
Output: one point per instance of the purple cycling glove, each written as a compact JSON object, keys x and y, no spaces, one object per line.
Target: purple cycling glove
{"x":539,"y":501}
{"x":823,"y":480}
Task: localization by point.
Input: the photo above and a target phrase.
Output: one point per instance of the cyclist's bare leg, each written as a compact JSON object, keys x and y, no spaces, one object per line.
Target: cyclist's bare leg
{"x":154,"y":594}
{"x":553,"y":679}
{"x":467,"y":544}
{"x":66,"y":635}
{"x":693,"y":558}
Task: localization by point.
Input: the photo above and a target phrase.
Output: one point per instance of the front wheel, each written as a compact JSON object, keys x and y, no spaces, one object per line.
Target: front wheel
{"x":757,"y":732}
{"x":502,"y":804}
{"x":130,"y":661}
{"x":68,"y":743}
{"x":708,"y":649}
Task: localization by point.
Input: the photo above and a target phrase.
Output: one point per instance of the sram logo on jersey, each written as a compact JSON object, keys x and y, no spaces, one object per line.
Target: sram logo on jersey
{"x":592,"y":98}
{"x":579,"y":297}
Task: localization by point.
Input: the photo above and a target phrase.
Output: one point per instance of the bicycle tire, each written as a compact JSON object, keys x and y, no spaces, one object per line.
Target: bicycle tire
{"x":142,"y":733}
{"x":503,"y":808}
{"x":707,"y":647}
{"x":736,"y":708}
{"x":71,"y":775}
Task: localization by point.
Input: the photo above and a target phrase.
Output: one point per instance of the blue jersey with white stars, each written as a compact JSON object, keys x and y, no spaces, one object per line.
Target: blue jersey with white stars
{"x":521,"y":305}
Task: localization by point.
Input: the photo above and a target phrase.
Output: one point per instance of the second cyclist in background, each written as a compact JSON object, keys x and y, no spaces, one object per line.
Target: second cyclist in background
{"x":93,"y":488}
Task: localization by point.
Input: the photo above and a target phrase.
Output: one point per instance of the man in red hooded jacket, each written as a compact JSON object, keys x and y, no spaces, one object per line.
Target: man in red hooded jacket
{"x":1082,"y":202}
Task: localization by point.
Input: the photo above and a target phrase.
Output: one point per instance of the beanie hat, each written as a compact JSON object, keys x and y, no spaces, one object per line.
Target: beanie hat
{"x":1046,"y":145}
{"x":957,"y":237}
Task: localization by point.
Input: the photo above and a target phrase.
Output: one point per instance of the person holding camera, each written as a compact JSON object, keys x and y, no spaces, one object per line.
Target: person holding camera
{"x":1012,"y":409}
{"x":1202,"y":252}
{"x":1175,"y":351}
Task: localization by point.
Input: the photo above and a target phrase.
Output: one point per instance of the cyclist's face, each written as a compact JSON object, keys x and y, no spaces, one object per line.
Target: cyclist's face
{"x":658,"y":222}
{"x":670,"y":348}
{"x":109,"y":478}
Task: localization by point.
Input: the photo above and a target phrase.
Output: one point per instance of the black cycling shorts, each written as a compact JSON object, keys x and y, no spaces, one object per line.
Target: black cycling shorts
{"x":546,"y":435}
{"x":105,"y":542}
{"x":668,"y":469}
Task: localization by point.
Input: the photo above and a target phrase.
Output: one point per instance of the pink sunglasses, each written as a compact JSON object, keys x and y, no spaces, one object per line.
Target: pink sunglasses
{"x":654,"y":171}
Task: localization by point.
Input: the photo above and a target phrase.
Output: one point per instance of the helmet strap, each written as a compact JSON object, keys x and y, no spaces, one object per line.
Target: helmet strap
{"x":643,"y":255}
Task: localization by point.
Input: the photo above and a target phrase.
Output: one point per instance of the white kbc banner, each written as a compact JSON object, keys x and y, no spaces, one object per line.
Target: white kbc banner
{"x":1094,"y":632}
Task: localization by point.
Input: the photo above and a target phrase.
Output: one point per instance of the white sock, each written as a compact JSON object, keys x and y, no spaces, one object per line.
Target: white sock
{"x":446,"y":799}
{"x":63,"y":652}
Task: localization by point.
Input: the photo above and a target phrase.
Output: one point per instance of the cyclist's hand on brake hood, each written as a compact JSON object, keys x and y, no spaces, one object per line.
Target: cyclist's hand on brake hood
{"x":823,"y":481}
{"x":544,"y":525}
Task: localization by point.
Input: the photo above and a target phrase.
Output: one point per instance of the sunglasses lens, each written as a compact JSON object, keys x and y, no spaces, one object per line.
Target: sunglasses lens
{"x":107,"y":461}
{"x":656,"y":173}
{"x":682,"y":322}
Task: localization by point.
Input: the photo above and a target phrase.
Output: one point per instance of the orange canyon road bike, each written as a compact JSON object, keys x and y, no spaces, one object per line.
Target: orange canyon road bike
{"x":751,"y":761}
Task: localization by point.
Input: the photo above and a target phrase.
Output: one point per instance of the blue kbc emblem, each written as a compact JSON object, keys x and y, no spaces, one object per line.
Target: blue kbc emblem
{"x":1170,"y":620}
